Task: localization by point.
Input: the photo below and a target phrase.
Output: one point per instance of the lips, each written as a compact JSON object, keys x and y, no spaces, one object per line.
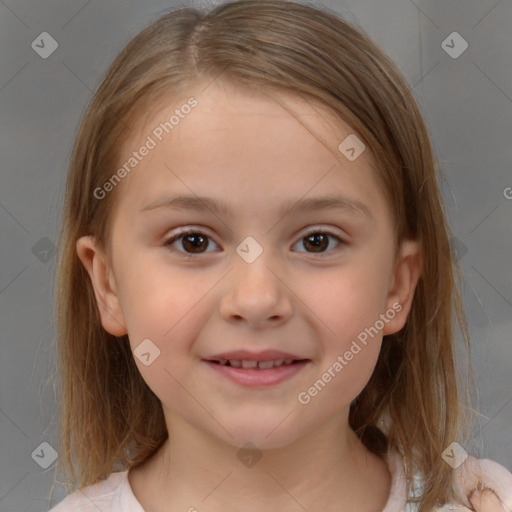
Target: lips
{"x":257,"y":369}
{"x":265,"y":360}
{"x":258,"y":377}
{"x":258,"y":357}
{"x":259,"y":365}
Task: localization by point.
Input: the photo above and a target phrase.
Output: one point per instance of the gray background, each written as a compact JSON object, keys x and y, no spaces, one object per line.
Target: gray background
{"x":467,"y":103}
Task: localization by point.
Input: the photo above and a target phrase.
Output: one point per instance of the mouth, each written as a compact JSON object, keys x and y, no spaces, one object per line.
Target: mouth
{"x":256,"y":365}
{"x":256,"y":370}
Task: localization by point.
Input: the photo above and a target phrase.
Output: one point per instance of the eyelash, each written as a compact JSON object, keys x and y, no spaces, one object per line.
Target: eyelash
{"x":189,"y":231}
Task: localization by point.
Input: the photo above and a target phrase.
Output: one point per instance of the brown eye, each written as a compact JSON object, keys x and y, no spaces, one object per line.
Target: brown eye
{"x":189,"y":243}
{"x":319,"y":241}
{"x":195,"y":242}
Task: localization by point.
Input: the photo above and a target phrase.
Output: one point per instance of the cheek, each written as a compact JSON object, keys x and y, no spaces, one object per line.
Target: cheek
{"x":167,"y":305}
{"x":350,"y":298}
{"x":158,"y":297}
{"x":349,"y":301}
{"x":351,"y":342}
{"x":159,"y":305}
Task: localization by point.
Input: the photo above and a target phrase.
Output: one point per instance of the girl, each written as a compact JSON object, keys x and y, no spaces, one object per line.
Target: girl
{"x":256,"y":293}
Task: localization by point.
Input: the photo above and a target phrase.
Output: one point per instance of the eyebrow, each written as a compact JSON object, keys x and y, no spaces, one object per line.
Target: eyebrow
{"x":303,"y":205}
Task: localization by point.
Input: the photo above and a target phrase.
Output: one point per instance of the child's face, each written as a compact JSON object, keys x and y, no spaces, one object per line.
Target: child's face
{"x":308,"y":296}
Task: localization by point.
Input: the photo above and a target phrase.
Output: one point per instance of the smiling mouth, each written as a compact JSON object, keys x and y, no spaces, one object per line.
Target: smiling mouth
{"x":257,"y":365}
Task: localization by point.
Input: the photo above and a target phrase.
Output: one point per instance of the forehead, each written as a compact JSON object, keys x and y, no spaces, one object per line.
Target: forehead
{"x":240,"y":141}
{"x":219,"y":105}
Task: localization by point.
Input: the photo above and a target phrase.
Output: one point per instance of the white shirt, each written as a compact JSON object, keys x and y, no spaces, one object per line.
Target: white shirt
{"x":115,"y":493}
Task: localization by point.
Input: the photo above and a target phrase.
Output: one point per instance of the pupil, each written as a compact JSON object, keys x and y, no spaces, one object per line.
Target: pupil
{"x":194,"y":245}
{"x":318,"y":241}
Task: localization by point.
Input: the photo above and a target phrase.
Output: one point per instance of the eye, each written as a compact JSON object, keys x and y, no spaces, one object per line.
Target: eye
{"x":192,"y":241}
{"x":319,"y":241}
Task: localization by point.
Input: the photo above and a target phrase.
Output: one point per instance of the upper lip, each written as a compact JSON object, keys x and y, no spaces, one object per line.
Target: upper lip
{"x":245,"y":355}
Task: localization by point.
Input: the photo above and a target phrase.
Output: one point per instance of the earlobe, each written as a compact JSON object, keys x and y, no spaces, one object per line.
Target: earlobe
{"x":102,"y":278}
{"x":403,"y":284}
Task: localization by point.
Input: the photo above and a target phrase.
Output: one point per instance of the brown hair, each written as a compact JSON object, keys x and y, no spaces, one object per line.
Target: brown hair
{"x":110,"y":419}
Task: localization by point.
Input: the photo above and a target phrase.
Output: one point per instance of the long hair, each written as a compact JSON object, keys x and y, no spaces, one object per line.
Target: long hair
{"x":110,"y":419}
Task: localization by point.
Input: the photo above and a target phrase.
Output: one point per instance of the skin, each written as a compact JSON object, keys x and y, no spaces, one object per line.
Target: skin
{"x":254,"y":152}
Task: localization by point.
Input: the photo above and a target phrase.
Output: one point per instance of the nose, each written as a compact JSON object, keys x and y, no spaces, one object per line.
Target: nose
{"x":256,"y":295}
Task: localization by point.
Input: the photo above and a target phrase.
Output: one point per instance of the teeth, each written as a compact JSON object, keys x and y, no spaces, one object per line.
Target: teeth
{"x":263,"y":365}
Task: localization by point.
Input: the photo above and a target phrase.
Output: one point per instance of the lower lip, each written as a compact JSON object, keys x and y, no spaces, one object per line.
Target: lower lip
{"x":251,"y":377}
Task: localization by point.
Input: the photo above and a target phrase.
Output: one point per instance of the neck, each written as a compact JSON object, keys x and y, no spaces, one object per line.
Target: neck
{"x":327,"y":470}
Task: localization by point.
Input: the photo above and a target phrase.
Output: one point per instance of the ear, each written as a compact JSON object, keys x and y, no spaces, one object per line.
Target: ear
{"x":403,"y":283}
{"x":103,"y":281}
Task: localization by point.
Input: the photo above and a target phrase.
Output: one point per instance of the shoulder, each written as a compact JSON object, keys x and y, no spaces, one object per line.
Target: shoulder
{"x":483,"y":485}
{"x":486,"y":485}
{"x":102,"y":496}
